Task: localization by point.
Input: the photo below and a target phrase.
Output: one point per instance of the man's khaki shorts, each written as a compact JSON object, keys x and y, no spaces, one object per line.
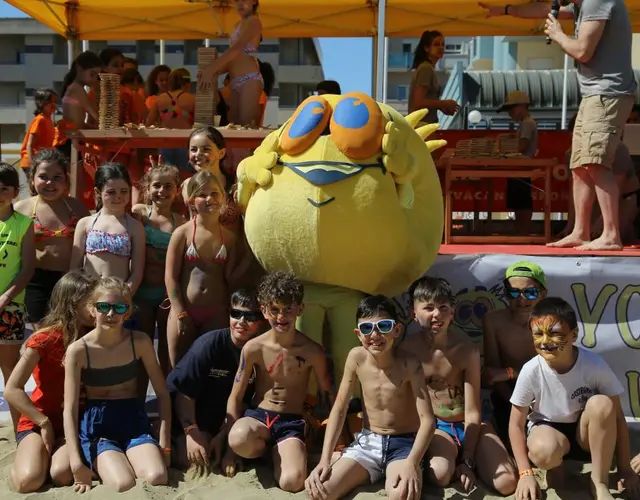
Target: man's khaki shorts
{"x":598,"y":129}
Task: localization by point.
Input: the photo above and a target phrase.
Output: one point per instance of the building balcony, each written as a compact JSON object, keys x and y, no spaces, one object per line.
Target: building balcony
{"x":400,"y":61}
{"x":12,"y":72}
{"x":13,"y":114}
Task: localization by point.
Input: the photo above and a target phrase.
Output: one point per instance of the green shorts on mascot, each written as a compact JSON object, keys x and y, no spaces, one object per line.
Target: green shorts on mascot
{"x":346,"y":196}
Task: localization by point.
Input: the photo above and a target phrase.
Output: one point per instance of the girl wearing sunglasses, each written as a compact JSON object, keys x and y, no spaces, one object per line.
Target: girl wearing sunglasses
{"x":114,"y":440}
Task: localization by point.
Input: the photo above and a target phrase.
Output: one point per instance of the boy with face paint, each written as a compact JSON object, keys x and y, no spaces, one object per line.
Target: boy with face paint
{"x":394,"y":439}
{"x":507,"y":337}
{"x":572,"y":401}
{"x":451,"y":366}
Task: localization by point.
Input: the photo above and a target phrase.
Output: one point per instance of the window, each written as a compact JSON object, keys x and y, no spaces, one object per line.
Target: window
{"x":146,"y":52}
{"x":60,"y":51}
{"x":402,"y":92}
{"x":453,"y":48}
{"x":406,"y":48}
{"x":298,"y":52}
{"x":191,"y":51}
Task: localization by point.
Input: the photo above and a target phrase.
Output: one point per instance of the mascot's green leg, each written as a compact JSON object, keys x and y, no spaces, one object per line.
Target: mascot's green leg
{"x":339,"y":305}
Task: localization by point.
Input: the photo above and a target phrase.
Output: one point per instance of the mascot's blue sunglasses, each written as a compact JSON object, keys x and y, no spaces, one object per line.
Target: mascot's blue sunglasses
{"x":383,"y":326}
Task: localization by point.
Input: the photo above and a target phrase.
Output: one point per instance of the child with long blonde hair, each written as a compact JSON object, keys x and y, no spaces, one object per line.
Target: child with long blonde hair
{"x":41,"y":449}
{"x":55,"y":216}
{"x":199,"y":264}
{"x":159,"y":188}
{"x":115,"y":437}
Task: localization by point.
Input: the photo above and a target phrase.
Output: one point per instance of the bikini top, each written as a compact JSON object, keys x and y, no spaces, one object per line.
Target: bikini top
{"x":192,"y":255}
{"x":157,"y":238}
{"x":249,"y":48}
{"x":42,"y":232}
{"x":114,"y":243}
{"x":174,"y":111}
{"x":113,"y":375}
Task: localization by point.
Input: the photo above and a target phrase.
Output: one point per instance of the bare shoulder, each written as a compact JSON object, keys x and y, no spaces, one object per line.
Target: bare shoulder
{"x":25,"y":207}
{"x":496,"y":317}
{"x":308,"y":344}
{"x":140,"y":210}
{"x":358,"y":355}
{"x":410,"y":363}
{"x":136,"y":224}
{"x":179,"y":218}
{"x":86,"y":221}
{"x":254,"y":345}
{"x":141,"y":339}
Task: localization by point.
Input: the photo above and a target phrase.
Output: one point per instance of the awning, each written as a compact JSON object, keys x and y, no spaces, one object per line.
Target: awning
{"x":198,"y":19}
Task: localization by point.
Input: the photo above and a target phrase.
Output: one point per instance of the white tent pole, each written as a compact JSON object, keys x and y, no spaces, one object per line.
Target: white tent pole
{"x":70,"y":56}
{"x":162,"y":52}
{"x":85,"y":45}
{"x":207,"y":42}
{"x":380,"y":63}
{"x":385,"y":67}
{"x":564,"y":91}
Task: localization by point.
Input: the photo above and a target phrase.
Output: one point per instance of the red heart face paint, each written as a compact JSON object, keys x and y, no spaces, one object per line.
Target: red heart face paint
{"x":551,"y":337}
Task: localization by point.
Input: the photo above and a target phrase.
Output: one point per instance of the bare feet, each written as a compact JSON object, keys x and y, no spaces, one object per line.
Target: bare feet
{"x":570,"y":241}
{"x":600,"y":491}
{"x":601,"y":245}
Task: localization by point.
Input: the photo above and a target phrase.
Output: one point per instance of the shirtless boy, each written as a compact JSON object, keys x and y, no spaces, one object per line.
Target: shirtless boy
{"x":451,"y":365}
{"x":572,"y":401}
{"x":507,"y":337}
{"x":394,"y":439}
{"x":283,"y":359}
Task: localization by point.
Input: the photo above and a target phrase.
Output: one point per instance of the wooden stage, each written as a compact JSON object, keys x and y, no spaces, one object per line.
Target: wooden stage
{"x":538,"y":250}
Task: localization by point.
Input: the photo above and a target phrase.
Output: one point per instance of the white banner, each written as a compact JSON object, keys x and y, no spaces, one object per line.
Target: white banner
{"x":604,"y":291}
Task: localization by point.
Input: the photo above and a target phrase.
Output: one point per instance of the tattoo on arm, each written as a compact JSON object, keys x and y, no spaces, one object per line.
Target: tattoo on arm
{"x":241,"y":368}
{"x":173,"y":294}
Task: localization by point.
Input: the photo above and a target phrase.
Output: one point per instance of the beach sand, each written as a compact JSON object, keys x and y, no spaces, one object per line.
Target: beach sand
{"x":255,"y":484}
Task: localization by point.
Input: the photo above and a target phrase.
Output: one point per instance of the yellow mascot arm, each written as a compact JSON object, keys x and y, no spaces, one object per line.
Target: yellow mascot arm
{"x":255,"y":170}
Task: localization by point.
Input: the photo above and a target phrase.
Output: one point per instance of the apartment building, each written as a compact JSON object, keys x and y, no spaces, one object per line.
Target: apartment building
{"x":32,"y":56}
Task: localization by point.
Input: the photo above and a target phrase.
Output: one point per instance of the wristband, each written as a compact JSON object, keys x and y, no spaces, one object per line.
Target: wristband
{"x":511,"y":374}
{"x":44,"y":422}
{"x":182,"y":315}
{"x":189,"y":428}
{"x":528,"y":472}
{"x":166,"y":450}
{"x":506,"y":9}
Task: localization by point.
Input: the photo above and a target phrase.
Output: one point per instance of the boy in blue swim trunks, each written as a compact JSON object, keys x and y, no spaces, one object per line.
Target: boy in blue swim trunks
{"x":394,"y":438}
{"x":282,"y":360}
{"x":451,"y":365}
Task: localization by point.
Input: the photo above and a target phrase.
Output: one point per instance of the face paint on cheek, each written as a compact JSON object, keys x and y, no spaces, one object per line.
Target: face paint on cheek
{"x":548,"y":331}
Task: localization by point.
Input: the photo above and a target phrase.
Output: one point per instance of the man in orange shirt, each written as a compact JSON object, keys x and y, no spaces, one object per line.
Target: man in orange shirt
{"x":41,"y":132}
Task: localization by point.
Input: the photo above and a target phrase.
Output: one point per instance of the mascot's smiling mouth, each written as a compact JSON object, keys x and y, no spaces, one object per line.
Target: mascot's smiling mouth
{"x":319,"y":204}
{"x":321,"y":172}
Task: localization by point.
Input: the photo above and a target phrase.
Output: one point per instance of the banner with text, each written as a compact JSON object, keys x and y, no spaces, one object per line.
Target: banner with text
{"x":605,"y":292}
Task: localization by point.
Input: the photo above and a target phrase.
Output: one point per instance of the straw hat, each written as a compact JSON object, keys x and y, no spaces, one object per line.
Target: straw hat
{"x":514,"y":98}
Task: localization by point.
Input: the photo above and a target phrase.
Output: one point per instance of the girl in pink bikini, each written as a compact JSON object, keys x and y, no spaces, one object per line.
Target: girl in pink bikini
{"x":199,"y":261}
{"x":76,"y":103}
{"x":243,"y":68}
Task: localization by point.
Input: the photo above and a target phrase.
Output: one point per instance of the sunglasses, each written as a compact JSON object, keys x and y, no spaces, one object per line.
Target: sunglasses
{"x":117,"y":308}
{"x":528,"y":293}
{"x":384,"y":326}
{"x":247,"y":315}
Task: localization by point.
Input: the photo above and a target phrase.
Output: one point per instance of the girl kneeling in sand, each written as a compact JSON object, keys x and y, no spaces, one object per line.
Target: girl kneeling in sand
{"x":41,"y":448}
{"x":115,"y":439}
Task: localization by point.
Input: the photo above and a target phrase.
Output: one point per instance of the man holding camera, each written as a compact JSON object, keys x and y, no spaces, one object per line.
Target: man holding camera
{"x":602,"y":48}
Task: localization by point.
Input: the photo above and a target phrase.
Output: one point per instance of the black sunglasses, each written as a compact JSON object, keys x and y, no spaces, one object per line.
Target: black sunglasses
{"x":247,"y":315}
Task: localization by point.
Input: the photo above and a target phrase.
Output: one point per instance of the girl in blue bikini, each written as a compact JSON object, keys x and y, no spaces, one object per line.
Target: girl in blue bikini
{"x":111,"y":243}
{"x":159,"y":188}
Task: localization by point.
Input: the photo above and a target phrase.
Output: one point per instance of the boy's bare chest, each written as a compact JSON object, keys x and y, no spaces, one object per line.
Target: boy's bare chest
{"x":286,"y":363}
{"x":443,"y":369}
{"x":515,"y":346}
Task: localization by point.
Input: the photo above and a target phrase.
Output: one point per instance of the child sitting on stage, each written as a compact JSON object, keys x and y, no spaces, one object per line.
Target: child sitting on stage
{"x":507,"y":337}
{"x":41,"y":449}
{"x":572,"y":401}
{"x":451,"y":364}
{"x":282,"y":360}
{"x":395,"y":438}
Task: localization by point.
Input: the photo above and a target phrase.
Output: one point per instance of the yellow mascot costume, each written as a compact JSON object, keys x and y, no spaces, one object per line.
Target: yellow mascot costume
{"x":346,"y":196}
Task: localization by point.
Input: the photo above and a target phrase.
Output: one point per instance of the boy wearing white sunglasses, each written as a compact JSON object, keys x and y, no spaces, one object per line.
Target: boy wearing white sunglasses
{"x":394,"y":438}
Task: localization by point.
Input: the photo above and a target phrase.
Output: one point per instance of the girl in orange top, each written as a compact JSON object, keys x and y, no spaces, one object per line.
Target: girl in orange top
{"x":157,"y":83}
{"x":132,"y":80}
{"x":42,"y":132}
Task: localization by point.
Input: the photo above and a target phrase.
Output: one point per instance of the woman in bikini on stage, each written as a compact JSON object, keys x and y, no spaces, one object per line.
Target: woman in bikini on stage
{"x":243,"y":68}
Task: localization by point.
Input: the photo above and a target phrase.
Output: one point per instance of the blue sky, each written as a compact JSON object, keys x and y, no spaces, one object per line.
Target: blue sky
{"x":353,"y":72}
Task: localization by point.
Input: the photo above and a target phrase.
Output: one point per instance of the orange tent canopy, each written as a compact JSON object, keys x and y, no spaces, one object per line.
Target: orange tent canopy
{"x":198,"y":19}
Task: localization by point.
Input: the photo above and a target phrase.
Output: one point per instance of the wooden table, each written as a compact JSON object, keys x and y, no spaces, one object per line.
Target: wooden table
{"x":493,"y":168}
{"x":150,"y":139}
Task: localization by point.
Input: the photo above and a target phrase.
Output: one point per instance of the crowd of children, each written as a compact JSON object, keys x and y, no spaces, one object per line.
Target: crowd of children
{"x":92,"y":286}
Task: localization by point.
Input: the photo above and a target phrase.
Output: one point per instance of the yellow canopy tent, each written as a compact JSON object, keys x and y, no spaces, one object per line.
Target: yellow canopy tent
{"x":199,"y":19}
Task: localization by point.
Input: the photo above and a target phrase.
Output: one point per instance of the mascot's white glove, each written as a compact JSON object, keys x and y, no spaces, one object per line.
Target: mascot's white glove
{"x":399,"y":162}
{"x":255,"y":171}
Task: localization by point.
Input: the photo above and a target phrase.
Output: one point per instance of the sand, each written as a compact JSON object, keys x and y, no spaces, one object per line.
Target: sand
{"x":256,"y":484}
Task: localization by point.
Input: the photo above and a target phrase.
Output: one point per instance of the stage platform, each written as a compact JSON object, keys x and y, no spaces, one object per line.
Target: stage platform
{"x":538,"y":250}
